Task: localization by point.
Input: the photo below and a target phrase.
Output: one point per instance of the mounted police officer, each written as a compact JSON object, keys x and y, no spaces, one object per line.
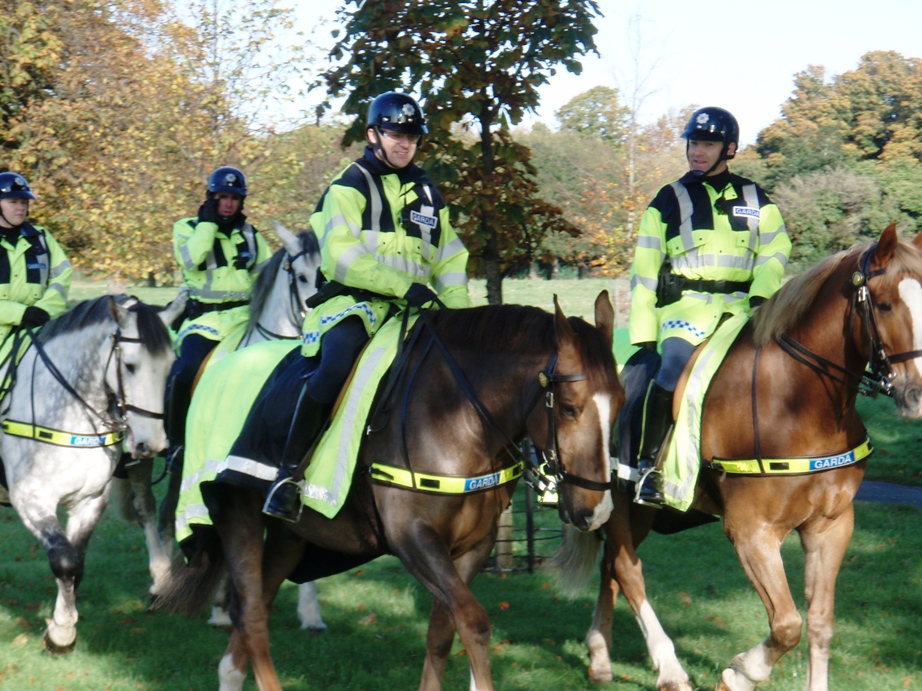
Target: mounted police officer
{"x":220,"y":253}
{"x":385,"y":243}
{"x":710,"y":244}
{"x":34,"y":271}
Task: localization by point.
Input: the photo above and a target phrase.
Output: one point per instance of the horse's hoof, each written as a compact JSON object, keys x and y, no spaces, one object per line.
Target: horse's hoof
{"x":601,"y":676}
{"x":675,"y":686}
{"x":315,"y":630}
{"x":57,"y":649}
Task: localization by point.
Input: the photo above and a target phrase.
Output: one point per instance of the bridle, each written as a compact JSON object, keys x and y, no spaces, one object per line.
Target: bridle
{"x":121,"y":407}
{"x":878,"y":375}
{"x":296,"y":309}
{"x":548,"y":378}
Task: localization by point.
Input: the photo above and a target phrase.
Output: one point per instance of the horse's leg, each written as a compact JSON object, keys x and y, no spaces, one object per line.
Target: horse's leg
{"x":219,"y":608}
{"x":627,"y":570}
{"x":239,"y":521}
{"x":66,"y":555}
{"x":167,"y":520}
{"x":145,"y":508}
{"x":309,"y":608}
{"x":598,"y":638}
{"x":454,"y":607}
{"x":824,"y":543}
{"x":759,"y":550}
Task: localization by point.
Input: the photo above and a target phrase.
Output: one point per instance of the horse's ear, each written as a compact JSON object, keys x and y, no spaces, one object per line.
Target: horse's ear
{"x":917,"y":241}
{"x":289,"y":241}
{"x":885,"y":246}
{"x":605,"y":316}
{"x":169,"y":313}
{"x":118,"y":312}
{"x":562,"y":327}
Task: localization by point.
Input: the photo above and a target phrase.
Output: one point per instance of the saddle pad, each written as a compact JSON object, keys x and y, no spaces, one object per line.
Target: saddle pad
{"x":328,"y":478}
{"x":217,"y":414}
{"x":682,"y":461}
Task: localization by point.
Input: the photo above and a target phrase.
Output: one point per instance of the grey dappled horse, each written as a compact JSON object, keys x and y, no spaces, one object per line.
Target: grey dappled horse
{"x":95,"y":377}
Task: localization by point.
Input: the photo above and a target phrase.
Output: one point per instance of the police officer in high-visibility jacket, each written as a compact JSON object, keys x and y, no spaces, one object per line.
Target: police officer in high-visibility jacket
{"x":34,"y":271}
{"x":709,"y":244}
{"x":385,"y":238}
{"x":220,"y":254}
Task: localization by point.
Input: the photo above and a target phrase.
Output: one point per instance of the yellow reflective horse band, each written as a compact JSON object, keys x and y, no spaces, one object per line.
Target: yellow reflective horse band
{"x":53,"y":436}
{"x":444,"y":484}
{"x":792,"y":466}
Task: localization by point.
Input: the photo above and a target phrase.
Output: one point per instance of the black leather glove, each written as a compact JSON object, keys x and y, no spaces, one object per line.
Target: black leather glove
{"x":419,"y":294}
{"x":34,"y":317}
{"x":649,"y":346}
{"x":208,"y":212}
{"x":755,"y":301}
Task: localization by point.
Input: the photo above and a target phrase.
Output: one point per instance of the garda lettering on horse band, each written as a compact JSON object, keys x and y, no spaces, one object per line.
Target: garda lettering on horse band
{"x":445,"y":484}
{"x":792,"y":466}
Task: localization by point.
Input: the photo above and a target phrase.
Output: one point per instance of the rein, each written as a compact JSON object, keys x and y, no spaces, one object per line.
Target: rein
{"x":121,"y":407}
{"x":547,"y":380}
{"x":878,"y":375}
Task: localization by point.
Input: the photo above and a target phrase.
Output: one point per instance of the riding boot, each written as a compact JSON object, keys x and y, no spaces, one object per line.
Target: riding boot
{"x":284,"y":498}
{"x":179,"y":400}
{"x":657,"y":421}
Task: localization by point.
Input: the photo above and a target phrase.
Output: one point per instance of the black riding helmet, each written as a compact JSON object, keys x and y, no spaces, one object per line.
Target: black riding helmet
{"x":14,"y":186}
{"x":227,"y":179}
{"x":397,"y":113}
{"x":394,"y":112}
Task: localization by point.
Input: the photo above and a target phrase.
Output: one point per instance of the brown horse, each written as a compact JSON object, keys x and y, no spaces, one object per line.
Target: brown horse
{"x":851,"y":324}
{"x":476,"y":382}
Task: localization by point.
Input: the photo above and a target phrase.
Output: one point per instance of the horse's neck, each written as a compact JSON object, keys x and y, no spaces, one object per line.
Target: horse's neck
{"x":276,"y":319}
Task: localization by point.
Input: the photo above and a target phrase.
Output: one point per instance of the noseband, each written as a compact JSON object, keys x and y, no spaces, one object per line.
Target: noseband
{"x":878,"y":375}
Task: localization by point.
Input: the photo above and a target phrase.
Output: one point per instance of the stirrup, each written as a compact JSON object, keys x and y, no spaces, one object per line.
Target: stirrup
{"x":648,"y":488}
{"x":284,"y":500}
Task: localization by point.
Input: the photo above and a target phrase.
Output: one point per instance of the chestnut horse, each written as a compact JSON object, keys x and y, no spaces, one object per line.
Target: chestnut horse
{"x":852,"y":324}
{"x":476,"y":382}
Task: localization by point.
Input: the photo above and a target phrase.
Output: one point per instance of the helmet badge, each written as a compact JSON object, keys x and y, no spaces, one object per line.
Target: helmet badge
{"x":702,"y":118}
{"x":230,"y":178}
{"x":407,"y":112}
{"x":19,"y":181}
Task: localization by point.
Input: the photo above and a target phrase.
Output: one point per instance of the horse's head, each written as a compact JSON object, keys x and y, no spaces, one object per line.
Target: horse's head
{"x":302,"y":263}
{"x":139,"y":356}
{"x":583,"y":399}
{"x":891,"y":320}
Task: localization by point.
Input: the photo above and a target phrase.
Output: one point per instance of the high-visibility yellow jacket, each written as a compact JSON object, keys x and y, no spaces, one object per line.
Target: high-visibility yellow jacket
{"x":723,"y":228}
{"x":34,"y":271}
{"x":218,"y":268}
{"x":380,"y":231}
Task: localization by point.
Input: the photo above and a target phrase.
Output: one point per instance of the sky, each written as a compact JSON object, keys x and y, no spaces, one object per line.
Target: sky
{"x":741,"y":55}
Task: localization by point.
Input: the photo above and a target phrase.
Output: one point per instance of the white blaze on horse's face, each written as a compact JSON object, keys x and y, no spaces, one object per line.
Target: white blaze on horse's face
{"x":604,"y":508}
{"x":911,"y":295}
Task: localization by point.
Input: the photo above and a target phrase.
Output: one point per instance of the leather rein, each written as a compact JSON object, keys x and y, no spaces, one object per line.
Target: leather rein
{"x":878,"y":375}
{"x":548,"y":378}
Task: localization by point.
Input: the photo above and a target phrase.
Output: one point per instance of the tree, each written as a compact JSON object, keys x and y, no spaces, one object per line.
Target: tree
{"x":477,"y":66}
{"x":597,"y":113}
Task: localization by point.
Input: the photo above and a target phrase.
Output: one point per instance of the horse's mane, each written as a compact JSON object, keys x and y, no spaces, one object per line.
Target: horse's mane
{"x":151,"y":330}
{"x":520,"y":328}
{"x":786,"y":309}
{"x":308,"y":243}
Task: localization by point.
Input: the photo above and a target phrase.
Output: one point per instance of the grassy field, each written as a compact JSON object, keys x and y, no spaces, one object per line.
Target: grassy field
{"x":378,"y":614}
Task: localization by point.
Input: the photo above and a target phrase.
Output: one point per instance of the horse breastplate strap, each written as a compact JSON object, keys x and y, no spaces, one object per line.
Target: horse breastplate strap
{"x":59,"y":438}
{"x":792,"y":466}
{"x":444,"y":484}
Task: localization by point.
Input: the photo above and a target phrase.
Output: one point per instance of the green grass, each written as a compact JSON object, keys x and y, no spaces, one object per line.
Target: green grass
{"x":378,"y":616}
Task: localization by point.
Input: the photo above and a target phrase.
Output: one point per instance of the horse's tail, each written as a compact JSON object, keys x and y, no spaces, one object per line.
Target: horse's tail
{"x":192,"y":583}
{"x":576,"y":560}
{"x":120,"y":500}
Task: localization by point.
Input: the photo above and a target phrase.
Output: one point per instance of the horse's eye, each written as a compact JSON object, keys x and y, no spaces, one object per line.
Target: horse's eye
{"x":131,"y":368}
{"x":302,"y":279}
{"x":884,"y":307}
{"x":569,"y":411}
